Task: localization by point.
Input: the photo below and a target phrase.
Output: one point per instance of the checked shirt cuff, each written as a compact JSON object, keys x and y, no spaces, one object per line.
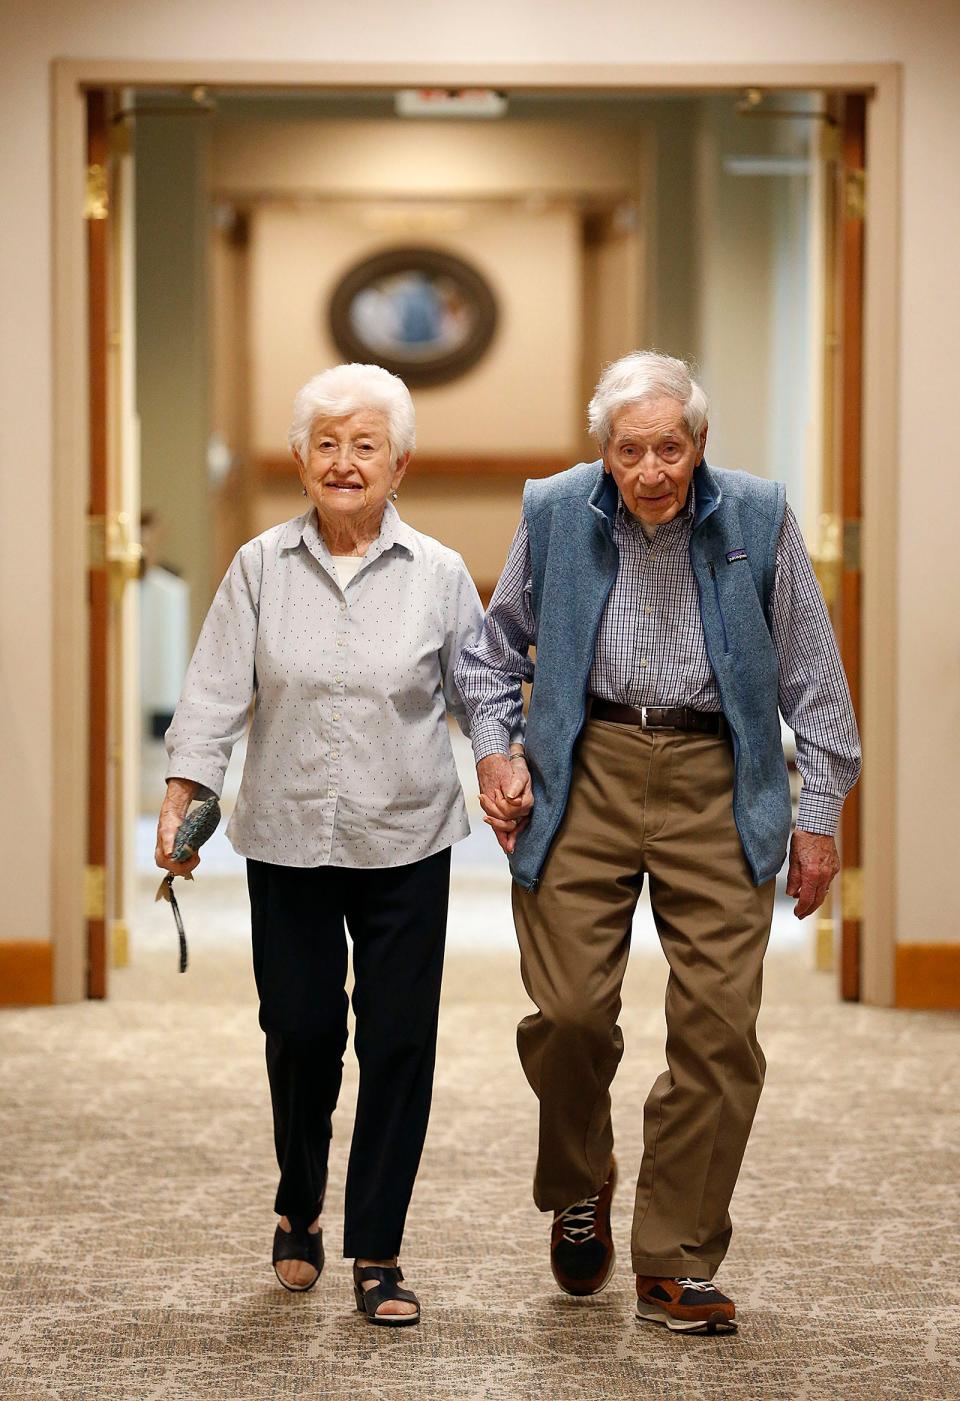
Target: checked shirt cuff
{"x":489,"y":737}
{"x":819,"y":813}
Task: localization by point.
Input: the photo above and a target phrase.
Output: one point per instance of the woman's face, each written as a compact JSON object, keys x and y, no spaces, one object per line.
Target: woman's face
{"x":347,"y":472}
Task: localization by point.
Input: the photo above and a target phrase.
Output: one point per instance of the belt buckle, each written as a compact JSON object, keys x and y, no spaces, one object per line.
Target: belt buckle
{"x":645,"y":725}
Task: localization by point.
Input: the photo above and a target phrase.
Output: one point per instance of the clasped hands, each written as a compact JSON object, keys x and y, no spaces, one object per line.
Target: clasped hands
{"x":506,"y":796}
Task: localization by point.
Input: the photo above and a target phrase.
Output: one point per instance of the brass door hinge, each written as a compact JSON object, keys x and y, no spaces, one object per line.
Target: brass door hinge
{"x":96,"y":542}
{"x":855,"y":194}
{"x":94,"y":892}
{"x":111,"y":546}
{"x":95,"y":200}
{"x":851,"y":892}
{"x":851,"y":545}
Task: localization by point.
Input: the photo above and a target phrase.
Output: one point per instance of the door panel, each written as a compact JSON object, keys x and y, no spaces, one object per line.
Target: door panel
{"x":852,"y":230}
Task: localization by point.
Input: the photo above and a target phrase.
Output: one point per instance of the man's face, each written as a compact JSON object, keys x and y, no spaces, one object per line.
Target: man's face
{"x":652,"y":458}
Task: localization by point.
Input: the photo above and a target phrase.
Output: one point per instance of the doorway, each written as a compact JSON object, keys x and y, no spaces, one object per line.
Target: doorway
{"x":621,"y":238}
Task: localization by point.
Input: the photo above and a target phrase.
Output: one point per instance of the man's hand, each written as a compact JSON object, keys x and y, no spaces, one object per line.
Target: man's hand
{"x":180,"y":793}
{"x":505,"y":796}
{"x":813,"y":864}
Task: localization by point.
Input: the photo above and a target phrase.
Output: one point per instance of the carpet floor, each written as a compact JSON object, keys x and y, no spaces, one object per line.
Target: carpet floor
{"x":137,"y":1180}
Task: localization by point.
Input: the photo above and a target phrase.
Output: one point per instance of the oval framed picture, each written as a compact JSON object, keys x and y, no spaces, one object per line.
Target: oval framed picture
{"x":420,"y":313}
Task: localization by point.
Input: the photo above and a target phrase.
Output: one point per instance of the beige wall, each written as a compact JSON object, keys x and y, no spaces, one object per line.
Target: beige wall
{"x":924,"y":37}
{"x":477,"y":159}
{"x":532,"y":261}
{"x":508,"y":197}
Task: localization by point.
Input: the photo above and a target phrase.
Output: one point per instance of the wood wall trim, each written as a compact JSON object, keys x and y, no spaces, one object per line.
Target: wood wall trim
{"x":928,"y":975}
{"x":446,"y":465}
{"x":26,"y":974}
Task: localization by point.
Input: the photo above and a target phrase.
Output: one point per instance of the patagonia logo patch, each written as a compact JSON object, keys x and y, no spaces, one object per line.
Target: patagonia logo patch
{"x":734,"y":555}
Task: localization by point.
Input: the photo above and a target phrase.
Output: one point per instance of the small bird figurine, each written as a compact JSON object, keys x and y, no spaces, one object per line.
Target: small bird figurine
{"x":194,"y":830}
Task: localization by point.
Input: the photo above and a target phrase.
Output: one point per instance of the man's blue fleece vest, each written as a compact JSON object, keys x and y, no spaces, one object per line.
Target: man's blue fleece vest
{"x":574,"y":559}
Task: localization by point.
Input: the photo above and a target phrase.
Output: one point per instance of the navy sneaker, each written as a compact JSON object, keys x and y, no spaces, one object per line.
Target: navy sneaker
{"x":581,"y":1245}
{"x":685,"y":1305}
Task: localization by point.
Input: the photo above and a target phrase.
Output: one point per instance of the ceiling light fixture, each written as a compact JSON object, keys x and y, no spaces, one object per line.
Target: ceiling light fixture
{"x":450,"y":102}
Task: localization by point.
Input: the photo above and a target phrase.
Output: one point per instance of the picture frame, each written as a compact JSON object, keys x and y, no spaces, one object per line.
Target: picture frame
{"x":420,"y":312}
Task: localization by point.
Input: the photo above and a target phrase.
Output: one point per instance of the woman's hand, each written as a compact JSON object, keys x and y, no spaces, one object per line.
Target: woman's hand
{"x":506,"y":796}
{"x":180,"y":793}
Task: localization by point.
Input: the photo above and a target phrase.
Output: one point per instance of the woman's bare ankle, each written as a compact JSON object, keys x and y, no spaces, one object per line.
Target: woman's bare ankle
{"x":286,"y":1226}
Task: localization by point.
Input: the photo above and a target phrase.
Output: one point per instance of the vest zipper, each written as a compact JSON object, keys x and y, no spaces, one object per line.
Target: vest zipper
{"x":716,"y":594}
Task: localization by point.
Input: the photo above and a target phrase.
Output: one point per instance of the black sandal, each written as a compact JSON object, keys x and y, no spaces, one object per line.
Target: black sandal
{"x":369,"y":1300}
{"x":298,"y":1244}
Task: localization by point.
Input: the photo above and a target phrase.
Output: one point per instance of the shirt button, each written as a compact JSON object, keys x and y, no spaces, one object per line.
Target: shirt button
{"x":339,"y":641}
{"x":331,"y":792}
{"x":338,"y":680}
{"x":648,"y":611}
{"x":336,"y":715}
{"x":643,"y":661}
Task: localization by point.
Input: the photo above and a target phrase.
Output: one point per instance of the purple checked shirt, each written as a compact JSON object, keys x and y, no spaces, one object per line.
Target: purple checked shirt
{"x":651,"y":651}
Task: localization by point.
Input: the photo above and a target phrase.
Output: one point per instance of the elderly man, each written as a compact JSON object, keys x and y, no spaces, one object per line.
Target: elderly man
{"x":674,"y":612}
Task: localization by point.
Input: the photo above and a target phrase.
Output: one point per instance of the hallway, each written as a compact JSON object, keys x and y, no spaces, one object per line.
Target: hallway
{"x":156,"y":1105}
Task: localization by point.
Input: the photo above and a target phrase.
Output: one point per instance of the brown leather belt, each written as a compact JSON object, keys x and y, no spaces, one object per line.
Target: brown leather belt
{"x":660,"y":717}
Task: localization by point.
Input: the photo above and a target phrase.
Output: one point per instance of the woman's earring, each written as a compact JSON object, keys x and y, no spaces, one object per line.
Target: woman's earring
{"x":393,"y":496}
{"x":304,"y":491}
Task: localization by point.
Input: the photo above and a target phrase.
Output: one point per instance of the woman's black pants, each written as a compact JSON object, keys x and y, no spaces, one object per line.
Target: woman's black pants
{"x":397,"y":919}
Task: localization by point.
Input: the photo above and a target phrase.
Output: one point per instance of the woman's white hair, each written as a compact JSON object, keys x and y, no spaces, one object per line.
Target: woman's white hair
{"x":345,"y":389}
{"x":645,"y":374}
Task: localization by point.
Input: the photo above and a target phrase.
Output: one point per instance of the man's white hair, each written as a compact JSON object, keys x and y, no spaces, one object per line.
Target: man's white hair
{"x":645,"y":374}
{"x":343,"y":390}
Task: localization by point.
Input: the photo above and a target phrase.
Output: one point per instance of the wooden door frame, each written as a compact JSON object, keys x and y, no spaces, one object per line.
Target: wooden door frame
{"x":98,"y":585}
{"x":71,"y":79}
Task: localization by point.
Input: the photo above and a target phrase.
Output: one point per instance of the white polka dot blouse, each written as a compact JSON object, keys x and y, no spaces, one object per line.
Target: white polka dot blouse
{"x":349,"y":761}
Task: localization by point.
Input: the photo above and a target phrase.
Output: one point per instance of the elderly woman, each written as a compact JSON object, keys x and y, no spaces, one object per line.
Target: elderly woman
{"x":342,"y":627}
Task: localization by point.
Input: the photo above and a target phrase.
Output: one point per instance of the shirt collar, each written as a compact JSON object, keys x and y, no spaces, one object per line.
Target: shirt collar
{"x":393,"y":532}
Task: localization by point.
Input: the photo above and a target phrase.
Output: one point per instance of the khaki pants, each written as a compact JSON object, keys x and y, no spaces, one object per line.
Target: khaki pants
{"x":655,"y":803}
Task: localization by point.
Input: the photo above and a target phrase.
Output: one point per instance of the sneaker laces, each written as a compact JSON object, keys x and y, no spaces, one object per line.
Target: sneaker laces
{"x":702,"y":1285}
{"x":580,"y":1220}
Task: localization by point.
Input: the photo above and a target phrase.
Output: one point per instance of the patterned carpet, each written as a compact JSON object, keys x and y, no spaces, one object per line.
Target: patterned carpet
{"x":138,"y":1176}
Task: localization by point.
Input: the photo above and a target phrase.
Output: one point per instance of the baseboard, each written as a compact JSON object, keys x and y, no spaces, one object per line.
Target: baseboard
{"x":26,"y":974}
{"x":928,"y":975}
